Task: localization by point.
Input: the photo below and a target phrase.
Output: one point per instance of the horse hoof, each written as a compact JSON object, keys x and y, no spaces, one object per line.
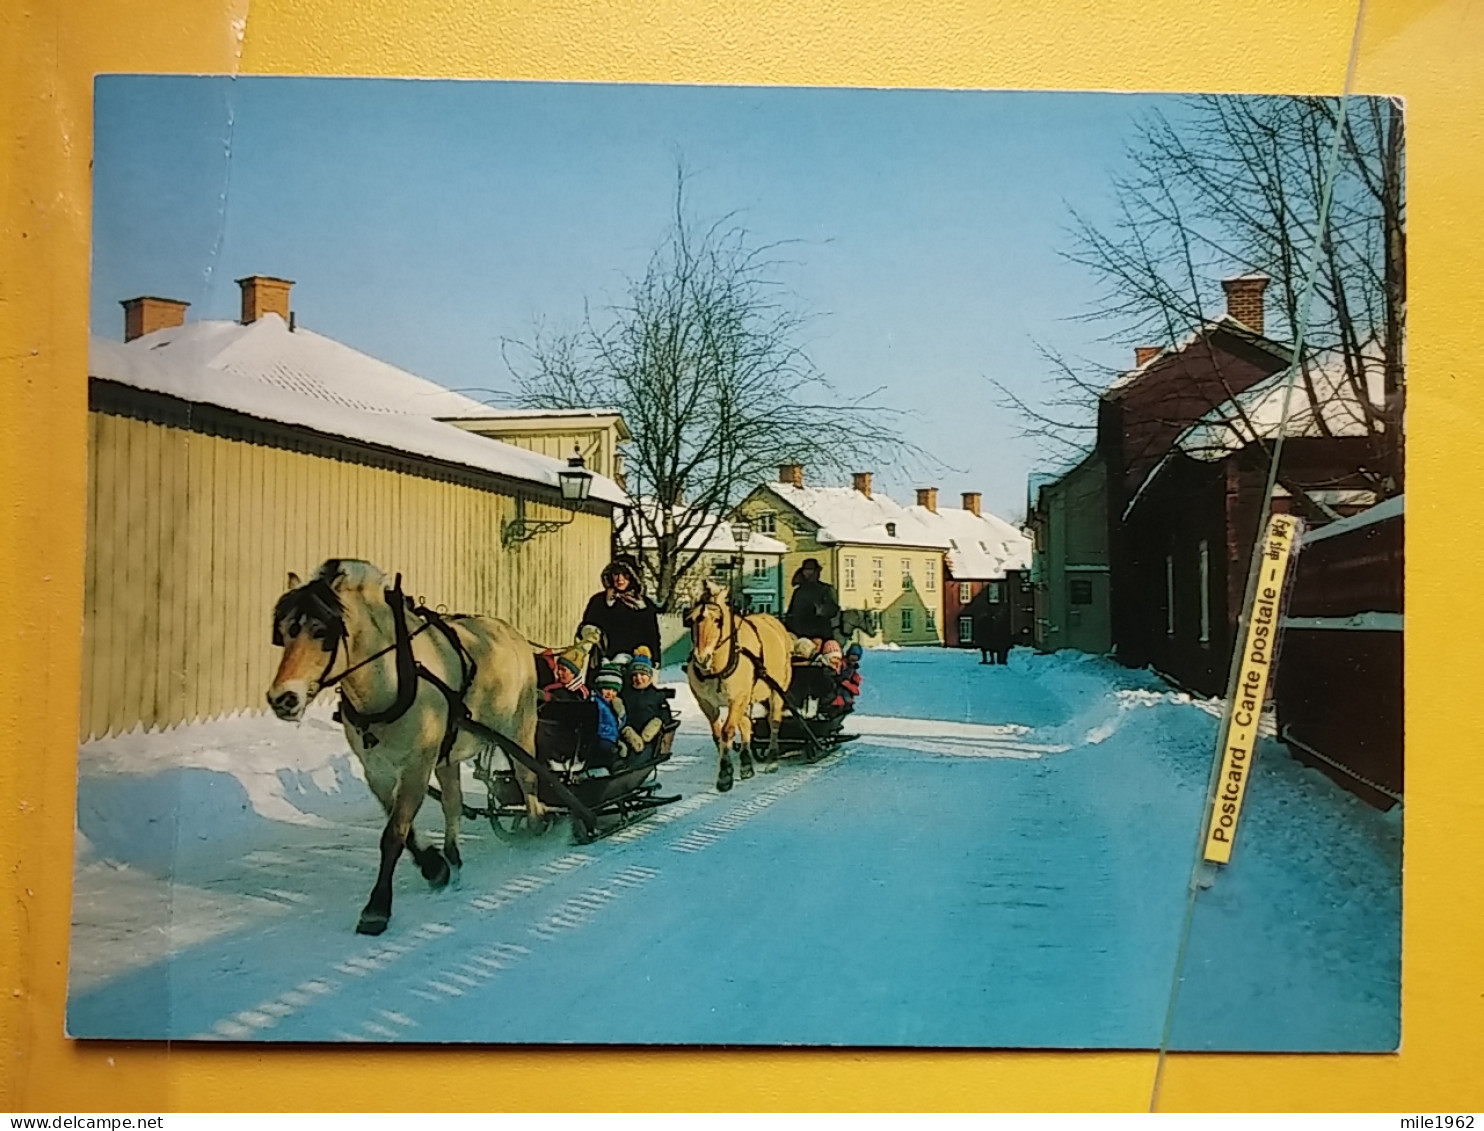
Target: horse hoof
{"x":434,"y":868}
{"x":372,"y":923}
{"x":770,"y":767}
{"x":746,"y":772}
{"x":723,"y":785}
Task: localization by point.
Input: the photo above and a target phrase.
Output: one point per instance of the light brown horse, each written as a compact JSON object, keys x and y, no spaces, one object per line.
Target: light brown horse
{"x":729,"y":653}
{"x":405,"y":675}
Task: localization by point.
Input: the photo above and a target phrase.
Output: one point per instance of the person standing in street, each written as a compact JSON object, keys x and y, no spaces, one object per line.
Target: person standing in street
{"x":813,"y":609}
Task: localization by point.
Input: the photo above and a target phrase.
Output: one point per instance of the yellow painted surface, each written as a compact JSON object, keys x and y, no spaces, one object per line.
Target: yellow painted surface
{"x":1428,"y":51}
{"x":184,"y":576}
{"x":598,"y":445}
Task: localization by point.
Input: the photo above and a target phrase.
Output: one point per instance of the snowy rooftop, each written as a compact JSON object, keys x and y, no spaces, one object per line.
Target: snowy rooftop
{"x":1225,"y":323}
{"x":847,"y":515}
{"x":1335,"y":409}
{"x":980,"y":547}
{"x":298,"y":377}
{"x":704,"y":532}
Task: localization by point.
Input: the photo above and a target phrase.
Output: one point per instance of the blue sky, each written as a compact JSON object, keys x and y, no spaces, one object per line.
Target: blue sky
{"x":424,"y":222}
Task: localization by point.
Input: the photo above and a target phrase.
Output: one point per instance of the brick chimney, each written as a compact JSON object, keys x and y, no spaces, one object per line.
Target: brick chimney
{"x":263,"y":294}
{"x":1145,"y":354}
{"x":971,"y":502}
{"x":791,"y":473}
{"x":146,"y":314}
{"x":928,"y":497}
{"x":861,"y":481}
{"x":1244,"y":299}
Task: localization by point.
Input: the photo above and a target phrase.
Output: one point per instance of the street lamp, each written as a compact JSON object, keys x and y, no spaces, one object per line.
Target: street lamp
{"x":741,"y":528}
{"x":575,"y":481}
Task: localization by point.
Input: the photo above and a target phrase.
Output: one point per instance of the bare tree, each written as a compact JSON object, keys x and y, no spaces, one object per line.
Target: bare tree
{"x":704,"y":355}
{"x":1233,"y":185}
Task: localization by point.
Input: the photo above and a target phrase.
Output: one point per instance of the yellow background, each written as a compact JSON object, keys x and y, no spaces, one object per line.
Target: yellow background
{"x":1433,"y":53}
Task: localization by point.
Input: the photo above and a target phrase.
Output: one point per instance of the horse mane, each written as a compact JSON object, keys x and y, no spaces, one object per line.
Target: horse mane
{"x":317,"y":600}
{"x":357,"y":573}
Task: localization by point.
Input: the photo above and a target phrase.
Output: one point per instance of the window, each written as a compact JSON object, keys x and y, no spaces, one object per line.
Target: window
{"x":762,"y":603}
{"x":1079,"y":590}
{"x":1205,"y":592}
{"x":992,"y":592}
{"x":848,"y":569}
{"x":965,"y":592}
{"x":965,"y":629}
{"x":906,"y":620}
{"x":765,"y":522}
{"x":878,"y":573}
{"x":1169,"y":595}
{"x":759,"y":567}
{"x":930,"y":618}
{"x":906,"y":573}
{"x":931,"y":569}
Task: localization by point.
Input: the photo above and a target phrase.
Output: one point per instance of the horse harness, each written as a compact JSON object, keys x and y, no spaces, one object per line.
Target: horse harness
{"x":737,"y":651}
{"x":409,"y":671}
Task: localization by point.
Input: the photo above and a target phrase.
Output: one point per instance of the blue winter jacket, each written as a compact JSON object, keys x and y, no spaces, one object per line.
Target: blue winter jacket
{"x":607,"y":721}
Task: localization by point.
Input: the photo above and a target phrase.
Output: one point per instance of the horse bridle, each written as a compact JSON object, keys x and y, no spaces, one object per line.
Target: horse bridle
{"x":731,"y":667}
{"x":409,"y":670}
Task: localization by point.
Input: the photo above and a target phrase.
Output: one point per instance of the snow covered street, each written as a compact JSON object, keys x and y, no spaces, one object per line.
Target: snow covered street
{"x":1001,"y":859}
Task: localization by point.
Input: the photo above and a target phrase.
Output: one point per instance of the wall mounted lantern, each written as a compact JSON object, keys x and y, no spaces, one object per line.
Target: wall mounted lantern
{"x":575,"y":482}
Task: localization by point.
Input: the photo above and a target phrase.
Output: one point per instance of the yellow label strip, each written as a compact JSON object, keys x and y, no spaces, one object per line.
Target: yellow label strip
{"x":1237,"y":742}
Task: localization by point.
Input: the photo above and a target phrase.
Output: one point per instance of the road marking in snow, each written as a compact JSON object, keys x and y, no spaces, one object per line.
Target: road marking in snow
{"x":661,"y":817}
{"x":377,"y":958}
{"x":697,"y":840}
{"x":577,"y":911}
{"x":266,"y":1014}
{"x":473,"y":970}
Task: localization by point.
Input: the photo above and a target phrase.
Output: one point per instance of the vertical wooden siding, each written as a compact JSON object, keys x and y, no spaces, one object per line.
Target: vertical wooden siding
{"x":191,"y":536}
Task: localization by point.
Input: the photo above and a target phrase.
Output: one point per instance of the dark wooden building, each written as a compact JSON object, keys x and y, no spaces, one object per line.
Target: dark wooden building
{"x":1188,"y":539}
{"x":1339,"y":682}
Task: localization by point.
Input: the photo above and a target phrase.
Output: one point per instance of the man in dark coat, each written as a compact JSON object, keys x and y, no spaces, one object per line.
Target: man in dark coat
{"x":999,"y":632}
{"x":626,"y":617}
{"x":984,"y":636}
{"x":813,"y":609}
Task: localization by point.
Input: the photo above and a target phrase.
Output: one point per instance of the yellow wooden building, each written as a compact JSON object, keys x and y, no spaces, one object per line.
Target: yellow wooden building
{"x":877,"y":554}
{"x":595,"y":434}
{"x":222,"y":455}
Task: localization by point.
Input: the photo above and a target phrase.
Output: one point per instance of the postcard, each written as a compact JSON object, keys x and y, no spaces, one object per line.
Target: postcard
{"x":669,"y":565}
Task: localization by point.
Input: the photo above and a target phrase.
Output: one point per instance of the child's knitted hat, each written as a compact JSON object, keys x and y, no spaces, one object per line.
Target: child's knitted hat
{"x":609,"y":677}
{"x":642,"y":662}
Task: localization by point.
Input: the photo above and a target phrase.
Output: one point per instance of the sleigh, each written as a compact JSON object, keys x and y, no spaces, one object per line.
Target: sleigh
{"x":599,"y":799}
{"x":812,"y":724}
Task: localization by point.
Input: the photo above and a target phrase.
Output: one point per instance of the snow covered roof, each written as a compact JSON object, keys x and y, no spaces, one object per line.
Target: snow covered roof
{"x":267,"y":352}
{"x":981,"y":547}
{"x":1225,"y":323}
{"x":704,"y":532}
{"x":297,"y":377}
{"x":1258,"y":412}
{"x":847,"y":515}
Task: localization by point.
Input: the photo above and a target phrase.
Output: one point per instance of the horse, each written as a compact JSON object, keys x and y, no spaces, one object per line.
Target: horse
{"x":407,"y":677}
{"x":730,"y":653}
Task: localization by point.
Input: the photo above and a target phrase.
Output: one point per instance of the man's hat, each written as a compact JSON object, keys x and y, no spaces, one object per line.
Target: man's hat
{"x":810,"y":563}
